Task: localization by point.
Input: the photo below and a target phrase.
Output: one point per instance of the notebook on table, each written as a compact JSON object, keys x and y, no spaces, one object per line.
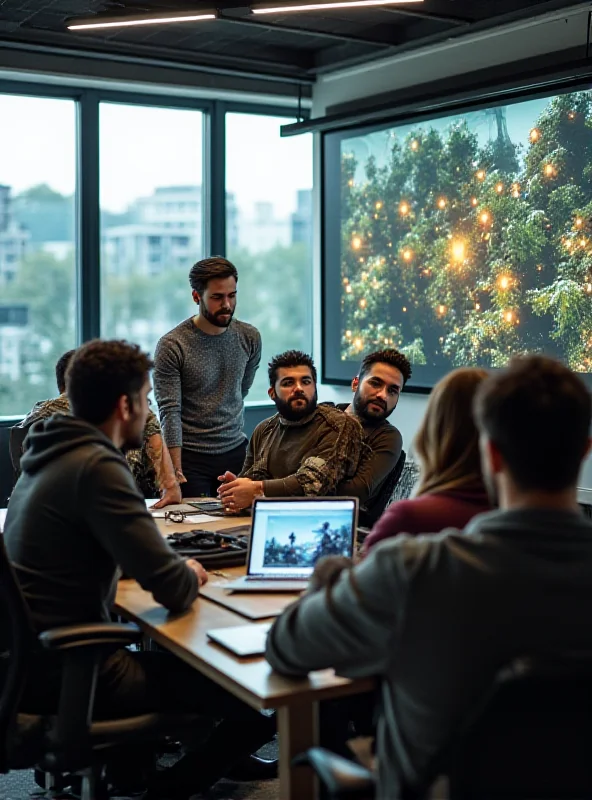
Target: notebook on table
{"x":289,"y":536}
{"x":242,"y":640}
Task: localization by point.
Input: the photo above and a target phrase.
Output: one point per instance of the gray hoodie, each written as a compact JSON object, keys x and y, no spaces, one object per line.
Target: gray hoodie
{"x":435,"y":617}
{"x":75,"y":517}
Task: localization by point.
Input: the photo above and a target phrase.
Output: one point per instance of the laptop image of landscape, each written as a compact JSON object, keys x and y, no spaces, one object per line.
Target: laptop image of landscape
{"x":289,"y":535}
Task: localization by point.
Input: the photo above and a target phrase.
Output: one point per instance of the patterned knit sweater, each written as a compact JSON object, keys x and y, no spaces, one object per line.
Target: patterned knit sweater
{"x":308,"y":457}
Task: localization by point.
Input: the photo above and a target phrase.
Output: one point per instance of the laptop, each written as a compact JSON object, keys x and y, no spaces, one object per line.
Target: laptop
{"x":289,"y":535}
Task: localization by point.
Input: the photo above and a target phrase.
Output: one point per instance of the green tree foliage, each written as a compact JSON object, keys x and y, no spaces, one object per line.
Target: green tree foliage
{"x":48,"y":287}
{"x":459,"y":254}
{"x":273,"y":295}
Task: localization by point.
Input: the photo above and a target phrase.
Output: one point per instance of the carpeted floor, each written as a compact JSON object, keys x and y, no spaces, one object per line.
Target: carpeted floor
{"x":21,"y":786}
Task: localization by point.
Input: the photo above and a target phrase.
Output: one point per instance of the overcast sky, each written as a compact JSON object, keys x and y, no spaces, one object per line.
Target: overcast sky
{"x":143,"y":147}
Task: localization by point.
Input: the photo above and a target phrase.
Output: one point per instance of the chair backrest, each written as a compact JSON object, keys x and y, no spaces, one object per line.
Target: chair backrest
{"x":15,"y":445}
{"x":16,"y":638}
{"x":405,"y":484}
{"x":382,"y":499}
{"x":529,"y":737}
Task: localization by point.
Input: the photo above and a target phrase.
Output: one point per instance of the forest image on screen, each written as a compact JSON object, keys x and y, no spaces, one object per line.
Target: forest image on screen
{"x":468,"y":238}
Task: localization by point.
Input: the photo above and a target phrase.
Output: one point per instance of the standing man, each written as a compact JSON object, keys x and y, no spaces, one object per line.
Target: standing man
{"x":203,"y":371}
{"x":377,"y":389}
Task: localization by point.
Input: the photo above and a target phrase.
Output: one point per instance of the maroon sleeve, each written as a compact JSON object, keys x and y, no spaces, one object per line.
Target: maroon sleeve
{"x":398,"y":518}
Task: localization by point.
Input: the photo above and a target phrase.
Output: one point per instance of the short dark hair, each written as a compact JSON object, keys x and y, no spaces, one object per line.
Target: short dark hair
{"x":537,"y":412}
{"x":60,"y":370}
{"x":100,"y":372}
{"x":291,"y":358}
{"x":209,"y":268}
{"x":392,"y":357}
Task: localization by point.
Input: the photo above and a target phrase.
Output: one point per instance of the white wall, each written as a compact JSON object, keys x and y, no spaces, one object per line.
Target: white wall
{"x":528,"y":39}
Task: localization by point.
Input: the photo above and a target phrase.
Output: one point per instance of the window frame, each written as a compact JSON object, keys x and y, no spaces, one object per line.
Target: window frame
{"x":87,"y":228}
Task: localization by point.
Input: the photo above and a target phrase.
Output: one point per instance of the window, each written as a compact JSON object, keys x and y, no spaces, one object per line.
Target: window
{"x":37,"y":246}
{"x":269,"y":233}
{"x":150,"y":170}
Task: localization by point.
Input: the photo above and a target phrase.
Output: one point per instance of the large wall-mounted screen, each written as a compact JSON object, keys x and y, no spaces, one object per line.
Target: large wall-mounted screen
{"x":461,"y":239}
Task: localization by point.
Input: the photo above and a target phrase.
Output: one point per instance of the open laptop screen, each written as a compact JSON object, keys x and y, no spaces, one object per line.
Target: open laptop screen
{"x":290,"y":535}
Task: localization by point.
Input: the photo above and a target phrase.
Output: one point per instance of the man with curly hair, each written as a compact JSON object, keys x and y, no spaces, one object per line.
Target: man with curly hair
{"x":304,"y":449}
{"x":150,"y":464}
{"x":75,"y":522}
{"x":377,"y":389}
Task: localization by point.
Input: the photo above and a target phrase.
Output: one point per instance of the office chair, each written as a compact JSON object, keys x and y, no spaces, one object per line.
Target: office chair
{"x":69,"y":741}
{"x":407,"y":481}
{"x":529,"y":737}
{"x":15,"y":446}
{"x":386,"y":492}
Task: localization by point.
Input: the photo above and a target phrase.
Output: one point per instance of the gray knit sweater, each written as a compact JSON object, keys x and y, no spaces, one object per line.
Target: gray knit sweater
{"x":200,"y":382}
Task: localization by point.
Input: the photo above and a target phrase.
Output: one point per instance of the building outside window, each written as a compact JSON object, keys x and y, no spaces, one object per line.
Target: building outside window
{"x":37,"y":246}
{"x":269,"y":233}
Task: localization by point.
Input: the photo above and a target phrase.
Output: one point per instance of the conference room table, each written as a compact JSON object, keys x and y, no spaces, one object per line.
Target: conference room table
{"x":250,"y":679}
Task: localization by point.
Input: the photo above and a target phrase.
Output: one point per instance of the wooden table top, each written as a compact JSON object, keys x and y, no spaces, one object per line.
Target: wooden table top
{"x":251,"y":679}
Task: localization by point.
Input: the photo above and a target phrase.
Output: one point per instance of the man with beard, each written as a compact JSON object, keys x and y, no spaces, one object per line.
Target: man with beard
{"x":377,"y":389}
{"x":305,"y":449}
{"x":436,"y":617}
{"x":203,"y":371}
{"x":76,"y":520}
{"x":151,"y":464}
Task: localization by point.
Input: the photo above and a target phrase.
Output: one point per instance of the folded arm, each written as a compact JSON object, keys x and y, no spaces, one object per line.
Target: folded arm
{"x":377,"y":462}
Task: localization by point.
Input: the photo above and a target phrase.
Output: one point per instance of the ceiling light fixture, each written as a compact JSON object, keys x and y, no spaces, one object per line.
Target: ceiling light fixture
{"x":323,"y":6}
{"x":92,"y":23}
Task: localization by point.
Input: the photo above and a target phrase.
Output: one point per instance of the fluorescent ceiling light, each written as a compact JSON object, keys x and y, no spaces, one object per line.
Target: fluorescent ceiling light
{"x":322,"y":6}
{"x":92,"y":23}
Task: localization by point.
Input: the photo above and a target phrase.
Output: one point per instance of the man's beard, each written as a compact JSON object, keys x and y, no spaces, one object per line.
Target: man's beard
{"x":362,"y":411}
{"x":214,"y":319}
{"x":288,"y":411}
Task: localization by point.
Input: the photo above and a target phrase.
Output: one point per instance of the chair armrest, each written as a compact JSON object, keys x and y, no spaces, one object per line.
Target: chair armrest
{"x":101,"y":633}
{"x":342,"y":778}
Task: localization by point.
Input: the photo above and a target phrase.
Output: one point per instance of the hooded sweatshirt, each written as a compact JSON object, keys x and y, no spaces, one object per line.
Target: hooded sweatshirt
{"x":75,"y":517}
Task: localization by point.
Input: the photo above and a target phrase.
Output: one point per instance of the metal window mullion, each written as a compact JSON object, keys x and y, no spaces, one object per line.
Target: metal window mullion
{"x":88,"y":219}
{"x":215,"y":174}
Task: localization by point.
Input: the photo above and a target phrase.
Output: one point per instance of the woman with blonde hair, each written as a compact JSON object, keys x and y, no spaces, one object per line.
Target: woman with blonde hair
{"x":450,"y":490}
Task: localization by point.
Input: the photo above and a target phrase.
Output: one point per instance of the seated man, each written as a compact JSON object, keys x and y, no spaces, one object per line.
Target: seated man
{"x":377,"y":390}
{"x":150,"y":463}
{"x":436,"y":617}
{"x":74,"y":521}
{"x":305,"y":449}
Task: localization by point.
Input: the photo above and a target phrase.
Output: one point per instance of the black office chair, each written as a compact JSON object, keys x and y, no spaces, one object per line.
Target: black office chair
{"x":15,"y":446}
{"x":530,"y":737}
{"x":67,"y":742}
{"x":383,"y":498}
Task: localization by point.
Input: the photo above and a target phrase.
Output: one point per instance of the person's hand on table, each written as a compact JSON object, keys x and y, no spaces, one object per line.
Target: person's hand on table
{"x":327,"y":571}
{"x":239,"y":493}
{"x":202,"y":575}
{"x":169,"y":496}
{"x":227,"y":477}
